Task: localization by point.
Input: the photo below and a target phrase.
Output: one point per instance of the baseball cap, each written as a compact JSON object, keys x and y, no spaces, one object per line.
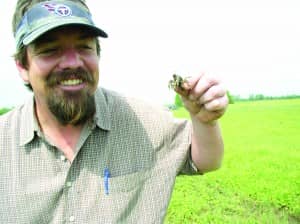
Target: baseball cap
{"x":48,"y":15}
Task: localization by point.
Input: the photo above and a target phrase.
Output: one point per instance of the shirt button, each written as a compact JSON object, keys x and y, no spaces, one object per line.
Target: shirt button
{"x":62,"y":158}
{"x":72,"y":218}
{"x":69,"y":184}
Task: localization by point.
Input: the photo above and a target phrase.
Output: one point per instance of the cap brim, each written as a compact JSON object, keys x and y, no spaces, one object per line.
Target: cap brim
{"x":50,"y":26}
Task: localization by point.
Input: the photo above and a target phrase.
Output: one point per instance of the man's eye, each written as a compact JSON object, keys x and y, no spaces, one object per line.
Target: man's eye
{"x":48,"y":51}
{"x":87,"y":47}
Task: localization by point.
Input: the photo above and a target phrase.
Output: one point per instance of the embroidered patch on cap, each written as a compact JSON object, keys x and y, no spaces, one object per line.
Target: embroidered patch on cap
{"x":59,"y":9}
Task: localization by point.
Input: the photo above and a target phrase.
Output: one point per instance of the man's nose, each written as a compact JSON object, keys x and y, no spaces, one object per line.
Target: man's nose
{"x":70,"y":59}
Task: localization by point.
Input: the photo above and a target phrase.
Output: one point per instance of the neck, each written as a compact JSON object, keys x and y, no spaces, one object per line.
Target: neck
{"x":64,"y":137}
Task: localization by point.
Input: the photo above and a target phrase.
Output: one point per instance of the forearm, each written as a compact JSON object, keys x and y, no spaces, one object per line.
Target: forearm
{"x":207,"y":145}
{"x":206,"y":100}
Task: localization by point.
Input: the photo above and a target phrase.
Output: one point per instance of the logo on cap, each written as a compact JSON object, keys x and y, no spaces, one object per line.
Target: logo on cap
{"x":59,"y":9}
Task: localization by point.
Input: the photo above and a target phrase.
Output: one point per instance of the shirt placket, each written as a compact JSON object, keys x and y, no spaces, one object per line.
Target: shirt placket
{"x":71,"y":213}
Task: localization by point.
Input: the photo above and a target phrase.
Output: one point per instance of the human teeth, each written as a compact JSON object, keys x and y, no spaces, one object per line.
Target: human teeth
{"x":71,"y":82}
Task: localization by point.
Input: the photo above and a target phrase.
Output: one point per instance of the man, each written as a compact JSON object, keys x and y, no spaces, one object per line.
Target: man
{"x":82,"y":154}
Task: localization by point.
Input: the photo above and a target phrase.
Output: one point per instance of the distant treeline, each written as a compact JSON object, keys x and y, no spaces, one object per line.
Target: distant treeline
{"x":254,"y":97}
{"x":234,"y":98}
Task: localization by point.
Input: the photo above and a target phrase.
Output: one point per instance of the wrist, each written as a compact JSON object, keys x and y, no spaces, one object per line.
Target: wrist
{"x":203,"y":121}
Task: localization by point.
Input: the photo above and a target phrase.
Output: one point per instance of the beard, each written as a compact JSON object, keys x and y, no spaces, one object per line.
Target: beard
{"x":70,"y":107}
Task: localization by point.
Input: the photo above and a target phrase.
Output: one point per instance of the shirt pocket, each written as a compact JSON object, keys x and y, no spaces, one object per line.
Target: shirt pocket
{"x":122,"y":202}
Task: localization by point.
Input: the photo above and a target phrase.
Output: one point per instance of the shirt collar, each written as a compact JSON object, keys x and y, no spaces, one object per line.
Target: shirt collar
{"x":103,"y":113}
{"x":29,"y":125}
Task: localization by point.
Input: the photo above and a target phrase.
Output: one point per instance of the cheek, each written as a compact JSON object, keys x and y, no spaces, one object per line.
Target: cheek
{"x":92,"y":64}
{"x":40,"y":68}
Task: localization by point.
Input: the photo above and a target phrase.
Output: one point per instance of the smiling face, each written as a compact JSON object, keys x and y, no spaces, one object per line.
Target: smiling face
{"x":63,"y":72}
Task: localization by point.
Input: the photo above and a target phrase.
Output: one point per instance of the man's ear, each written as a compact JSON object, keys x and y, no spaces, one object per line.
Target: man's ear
{"x":22,"y":71}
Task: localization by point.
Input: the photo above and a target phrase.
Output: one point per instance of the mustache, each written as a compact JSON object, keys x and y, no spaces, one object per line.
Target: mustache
{"x":55,"y":78}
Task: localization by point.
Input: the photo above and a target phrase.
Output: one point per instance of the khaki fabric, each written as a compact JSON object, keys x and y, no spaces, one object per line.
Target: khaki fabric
{"x":143,"y":147}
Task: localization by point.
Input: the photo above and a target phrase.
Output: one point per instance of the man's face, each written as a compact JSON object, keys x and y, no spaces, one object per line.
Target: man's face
{"x":63,"y":72}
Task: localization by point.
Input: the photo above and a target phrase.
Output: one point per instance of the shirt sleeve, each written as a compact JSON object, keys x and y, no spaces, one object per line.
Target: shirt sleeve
{"x":189,"y":167}
{"x":181,"y":146}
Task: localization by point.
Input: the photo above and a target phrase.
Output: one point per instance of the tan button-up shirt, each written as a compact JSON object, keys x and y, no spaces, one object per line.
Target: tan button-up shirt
{"x":124,"y":170}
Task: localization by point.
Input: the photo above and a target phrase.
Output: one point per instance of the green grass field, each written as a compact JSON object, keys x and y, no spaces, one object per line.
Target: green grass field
{"x":259,"y":181}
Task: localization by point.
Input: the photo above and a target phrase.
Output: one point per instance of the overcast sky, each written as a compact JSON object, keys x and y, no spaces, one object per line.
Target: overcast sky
{"x":253,"y":46}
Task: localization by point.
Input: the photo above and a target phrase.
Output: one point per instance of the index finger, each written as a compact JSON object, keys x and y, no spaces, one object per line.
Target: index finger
{"x":200,"y":84}
{"x":191,"y":82}
{"x":188,"y":84}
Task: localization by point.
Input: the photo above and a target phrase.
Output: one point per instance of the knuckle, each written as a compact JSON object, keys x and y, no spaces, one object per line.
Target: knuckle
{"x":214,"y":91}
{"x":211,"y":80}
